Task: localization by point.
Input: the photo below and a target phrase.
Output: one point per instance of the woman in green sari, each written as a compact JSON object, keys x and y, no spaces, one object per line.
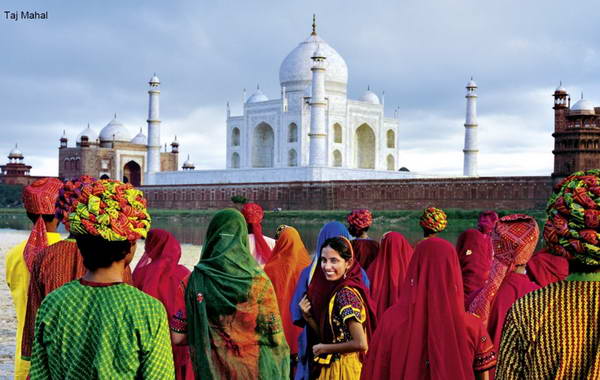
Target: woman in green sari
{"x":231,"y":316}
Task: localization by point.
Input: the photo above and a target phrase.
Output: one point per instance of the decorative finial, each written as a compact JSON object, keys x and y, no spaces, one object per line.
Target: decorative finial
{"x":314,"y":25}
{"x":581,"y":94}
{"x":471,"y":77}
{"x":188,"y":157}
{"x":140,"y":129}
{"x":560,"y":83}
{"x":258,"y":86}
{"x":175,"y":138}
{"x":115,"y":115}
{"x":368,"y":87}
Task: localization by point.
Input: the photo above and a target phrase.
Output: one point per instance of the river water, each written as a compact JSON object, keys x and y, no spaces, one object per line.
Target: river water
{"x":192,"y":230}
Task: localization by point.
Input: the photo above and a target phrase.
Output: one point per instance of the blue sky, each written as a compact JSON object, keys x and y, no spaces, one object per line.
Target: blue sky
{"x":92,"y":59}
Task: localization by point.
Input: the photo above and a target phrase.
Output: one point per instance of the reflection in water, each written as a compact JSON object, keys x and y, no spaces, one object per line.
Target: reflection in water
{"x":192,"y":230}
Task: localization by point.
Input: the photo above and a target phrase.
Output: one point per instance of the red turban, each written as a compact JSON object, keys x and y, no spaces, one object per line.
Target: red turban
{"x":69,"y":196}
{"x":434,"y":219}
{"x":254,"y":214}
{"x":39,"y":198}
{"x":513,"y":240}
{"x":360,"y":218}
{"x":573,"y":226}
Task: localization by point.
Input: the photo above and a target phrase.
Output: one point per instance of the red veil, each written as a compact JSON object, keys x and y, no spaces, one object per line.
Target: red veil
{"x":388,"y":270}
{"x":159,"y":274}
{"x":424,"y":336}
{"x":475,"y":255}
{"x":254,"y":214}
{"x":320,"y":291}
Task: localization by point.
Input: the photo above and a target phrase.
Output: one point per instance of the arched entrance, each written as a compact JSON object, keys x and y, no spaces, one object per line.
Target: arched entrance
{"x":263,"y":143}
{"x":391,"y":165}
{"x":132,"y":173}
{"x":365,"y":147}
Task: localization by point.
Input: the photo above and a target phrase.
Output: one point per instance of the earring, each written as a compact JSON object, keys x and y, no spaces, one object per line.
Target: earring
{"x":345,"y":275}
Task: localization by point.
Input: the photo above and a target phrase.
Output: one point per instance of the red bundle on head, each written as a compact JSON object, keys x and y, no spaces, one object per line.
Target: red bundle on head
{"x":360,"y":219}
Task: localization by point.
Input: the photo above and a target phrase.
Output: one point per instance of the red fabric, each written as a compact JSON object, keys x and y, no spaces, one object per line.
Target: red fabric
{"x":514,"y":286}
{"x":159,"y":274}
{"x":475,"y":257}
{"x":39,"y":198}
{"x":254,"y":214}
{"x":360,"y":218}
{"x":365,"y":251}
{"x":481,"y":347}
{"x":388,"y":270}
{"x":487,"y":221}
{"x":513,"y":241}
{"x":424,"y":335}
{"x":320,"y":291}
{"x":289,"y":258}
{"x":545,"y":268}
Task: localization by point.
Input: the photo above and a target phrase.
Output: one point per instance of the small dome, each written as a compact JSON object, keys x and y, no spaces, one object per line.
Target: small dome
{"x":140,"y":138}
{"x":584,"y":107}
{"x":370,"y":97}
{"x":116,"y":129}
{"x":471,"y":84}
{"x":561,"y":89}
{"x":15,"y":153}
{"x":257,"y":97}
{"x":89,"y":133}
{"x":154,"y":80}
{"x":188,"y":164}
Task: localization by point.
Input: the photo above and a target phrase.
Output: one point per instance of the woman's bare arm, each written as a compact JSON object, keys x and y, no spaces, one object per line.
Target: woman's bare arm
{"x":358,"y":343}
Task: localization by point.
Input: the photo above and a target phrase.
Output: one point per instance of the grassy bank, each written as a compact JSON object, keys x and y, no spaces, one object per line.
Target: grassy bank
{"x":320,"y":216}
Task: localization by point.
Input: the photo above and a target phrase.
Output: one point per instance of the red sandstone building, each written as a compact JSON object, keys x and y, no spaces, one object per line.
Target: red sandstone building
{"x":15,"y":171}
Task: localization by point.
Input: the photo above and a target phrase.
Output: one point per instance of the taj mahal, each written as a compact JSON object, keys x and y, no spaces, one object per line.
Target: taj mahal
{"x":312,"y":132}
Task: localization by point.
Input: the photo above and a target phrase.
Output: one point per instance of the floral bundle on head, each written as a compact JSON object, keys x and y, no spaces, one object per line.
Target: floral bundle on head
{"x":68,"y":198}
{"x":434,"y":219}
{"x":111,"y":209}
{"x":573,"y":222}
{"x":360,"y":218}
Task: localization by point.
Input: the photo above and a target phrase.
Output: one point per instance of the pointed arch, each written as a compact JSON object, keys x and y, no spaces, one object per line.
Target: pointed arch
{"x":235,"y":160}
{"x":132,"y":173}
{"x":263,"y":146}
{"x":364,"y":139}
{"x":292,"y":133}
{"x":391,"y":138}
{"x":337,"y":133}
{"x":292,"y":158}
{"x":235,"y":136}
{"x":337,"y":159}
{"x":391,"y":164}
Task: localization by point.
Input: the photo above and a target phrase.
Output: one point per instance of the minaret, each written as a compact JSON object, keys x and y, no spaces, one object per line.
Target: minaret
{"x":153,"y":128}
{"x":471,"y":145}
{"x":318,"y":131}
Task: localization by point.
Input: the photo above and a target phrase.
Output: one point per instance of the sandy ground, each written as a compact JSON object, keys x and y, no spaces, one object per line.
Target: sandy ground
{"x":8,"y":321}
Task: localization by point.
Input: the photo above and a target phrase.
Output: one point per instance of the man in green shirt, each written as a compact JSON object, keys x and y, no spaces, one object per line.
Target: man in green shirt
{"x":97,"y":327}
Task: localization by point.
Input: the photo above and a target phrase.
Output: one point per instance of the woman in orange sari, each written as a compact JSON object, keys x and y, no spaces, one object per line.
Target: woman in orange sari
{"x":283,"y":268}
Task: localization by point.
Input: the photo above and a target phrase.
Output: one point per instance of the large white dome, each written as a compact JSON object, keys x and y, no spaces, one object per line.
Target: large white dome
{"x":117,"y":129}
{"x":295,"y":74}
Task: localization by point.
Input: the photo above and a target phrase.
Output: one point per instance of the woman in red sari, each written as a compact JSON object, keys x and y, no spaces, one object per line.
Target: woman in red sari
{"x":365,"y":248}
{"x":427,"y":334}
{"x":474,"y":248}
{"x":388,"y":270}
{"x":289,"y":258}
{"x":159,"y":274}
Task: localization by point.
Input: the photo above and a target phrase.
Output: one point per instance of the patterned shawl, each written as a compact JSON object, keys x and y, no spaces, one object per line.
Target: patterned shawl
{"x":234,"y":327}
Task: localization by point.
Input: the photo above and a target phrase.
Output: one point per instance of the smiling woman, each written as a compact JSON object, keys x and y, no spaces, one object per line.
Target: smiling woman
{"x":337,"y":307}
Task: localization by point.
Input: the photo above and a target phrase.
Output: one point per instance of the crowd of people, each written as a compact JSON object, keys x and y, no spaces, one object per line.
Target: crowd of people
{"x":256,"y":307}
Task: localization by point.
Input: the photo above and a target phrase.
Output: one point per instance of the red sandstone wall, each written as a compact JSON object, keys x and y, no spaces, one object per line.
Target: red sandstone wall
{"x":523,"y":193}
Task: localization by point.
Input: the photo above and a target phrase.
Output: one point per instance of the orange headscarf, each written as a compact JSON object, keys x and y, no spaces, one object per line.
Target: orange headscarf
{"x":289,"y":258}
